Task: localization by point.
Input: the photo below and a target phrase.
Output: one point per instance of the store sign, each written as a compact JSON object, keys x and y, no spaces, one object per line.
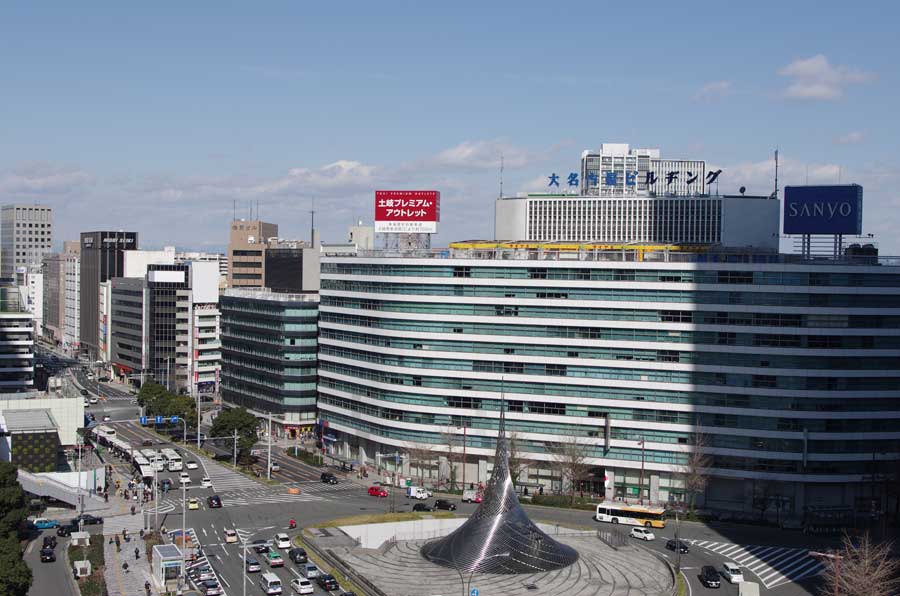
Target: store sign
{"x":651,"y":180}
{"x":823,"y":209}
{"x":407,"y":211}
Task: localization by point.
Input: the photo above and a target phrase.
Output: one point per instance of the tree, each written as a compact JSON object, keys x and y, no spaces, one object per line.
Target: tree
{"x":15,"y":575}
{"x":695,"y":470}
{"x":242,"y":421}
{"x":517,"y":461}
{"x":570,"y":455}
{"x":421,"y":455}
{"x":454,"y":456}
{"x":157,"y":401}
{"x":865,"y":568}
{"x":13,"y":506}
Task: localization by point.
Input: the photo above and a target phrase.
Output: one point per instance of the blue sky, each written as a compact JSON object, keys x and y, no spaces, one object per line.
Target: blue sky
{"x":158,"y":116}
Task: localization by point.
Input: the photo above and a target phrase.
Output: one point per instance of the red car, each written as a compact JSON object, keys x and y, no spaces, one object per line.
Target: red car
{"x":377,"y":491}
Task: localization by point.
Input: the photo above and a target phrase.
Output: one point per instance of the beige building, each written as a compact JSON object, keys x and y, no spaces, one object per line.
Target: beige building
{"x":247,"y":252}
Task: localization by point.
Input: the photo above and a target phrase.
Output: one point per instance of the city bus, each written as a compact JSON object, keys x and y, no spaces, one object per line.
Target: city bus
{"x":155,"y":458}
{"x":635,"y":515}
{"x":142,"y":465}
{"x":173,"y":460}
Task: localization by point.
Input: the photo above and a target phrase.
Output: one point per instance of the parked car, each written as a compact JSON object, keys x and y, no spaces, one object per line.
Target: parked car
{"x":253,"y":565}
{"x":87,"y":519}
{"x":47,"y":555}
{"x":302,"y":586}
{"x":298,"y":555}
{"x":282,"y":540}
{"x":327,"y":582}
{"x":49,"y":541}
{"x":444,"y":504}
{"x":42,"y":523}
{"x":377,"y":491}
{"x":709,"y":577}
{"x":310,"y":571}
{"x":230,"y":537}
{"x":206,"y":482}
{"x":193,"y":503}
{"x":329,"y":478}
{"x":274,"y":559}
{"x":732,"y":572}
{"x":642,"y":534}
{"x":214,"y":502}
{"x":67,"y":529}
{"x":422,"y":507}
{"x":682,"y":546}
{"x":191,"y":465}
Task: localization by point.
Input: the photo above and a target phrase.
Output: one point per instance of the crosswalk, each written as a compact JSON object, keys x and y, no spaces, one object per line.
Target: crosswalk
{"x":773,"y":565}
{"x":225,"y":479}
{"x":115,"y":524}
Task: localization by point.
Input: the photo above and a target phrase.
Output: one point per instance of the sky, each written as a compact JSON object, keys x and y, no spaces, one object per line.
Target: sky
{"x":168,"y":118}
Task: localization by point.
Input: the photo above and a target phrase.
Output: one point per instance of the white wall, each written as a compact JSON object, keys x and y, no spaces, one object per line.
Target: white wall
{"x":205,"y":281}
{"x":510,"y":219}
{"x":136,"y":261}
{"x":68,"y":412}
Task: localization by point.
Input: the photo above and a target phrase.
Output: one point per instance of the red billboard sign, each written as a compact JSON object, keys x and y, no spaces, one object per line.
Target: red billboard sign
{"x":407,"y":211}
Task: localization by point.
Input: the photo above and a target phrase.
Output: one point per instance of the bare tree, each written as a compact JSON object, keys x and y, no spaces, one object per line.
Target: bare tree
{"x":695,"y":470}
{"x":421,"y":455}
{"x":518,"y":463}
{"x":571,"y":456}
{"x":453,"y":451}
{"x":862,"y":568}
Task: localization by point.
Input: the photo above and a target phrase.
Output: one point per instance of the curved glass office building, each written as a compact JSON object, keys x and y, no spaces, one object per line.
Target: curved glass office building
{"x":782,"y":372}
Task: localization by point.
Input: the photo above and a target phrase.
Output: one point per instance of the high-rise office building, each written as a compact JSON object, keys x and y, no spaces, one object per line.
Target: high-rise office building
{"x":102,"y":258}
{"x":16,"y":342}
{"x":27,"y":235}
{"x":72,"y":302}
{"x":269,"y":355}
{"x":246,"y":252}
{"x":54,"y":297}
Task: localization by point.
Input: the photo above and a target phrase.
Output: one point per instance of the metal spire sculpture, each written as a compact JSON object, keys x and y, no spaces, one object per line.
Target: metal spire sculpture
{"x":499,"y":537}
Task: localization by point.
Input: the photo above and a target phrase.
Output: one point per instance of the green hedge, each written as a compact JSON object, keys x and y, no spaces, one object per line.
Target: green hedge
{"x":564,"y":502}
{"x":313,"y":459}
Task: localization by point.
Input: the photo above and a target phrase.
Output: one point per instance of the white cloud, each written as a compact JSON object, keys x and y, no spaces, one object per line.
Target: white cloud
{"x":484,"y":155}
{"x":38,"y":180}
{"x":816,"y":78}
{"x":713,"y":90}
{"x":851,"y":138}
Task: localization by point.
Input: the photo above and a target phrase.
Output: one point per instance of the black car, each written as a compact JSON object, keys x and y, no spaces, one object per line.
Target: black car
{"x":682,"y":546}
{"x":67,"y":529}
{"x":260,"y":547}
{"x":214,"y":502}
{"x":329,"y":478}
{"x":422,"y":507}
{"x":298,"y":555}
{"x":444,"y":504}
{"x":50,"y":541}
{"x":327,"y":582}
{"x":87,"y":519}
{"x":709,"y":577}
{"x":47,"y":555}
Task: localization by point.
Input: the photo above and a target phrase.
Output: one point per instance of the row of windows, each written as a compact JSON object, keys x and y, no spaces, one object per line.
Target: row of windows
{"x":716,"y":358}
{"x":600,"y":333}
{"x":781,"y":278}
{"x":751,"y":298}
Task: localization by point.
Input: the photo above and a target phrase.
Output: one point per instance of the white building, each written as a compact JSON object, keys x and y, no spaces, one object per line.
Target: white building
{"x":72,"y":321}
{"x":26,"y":234}
{"x":30,"y":281}
{"x":617,"y":170}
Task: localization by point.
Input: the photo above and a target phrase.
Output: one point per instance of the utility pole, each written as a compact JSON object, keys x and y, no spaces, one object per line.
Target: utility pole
{"x":183,"y":534}
{"x":641,"y":482}
{"x":269,"y":461}
{"x":234,"y":463}
{"x":198,"y":420}
{"x":464,"y":455}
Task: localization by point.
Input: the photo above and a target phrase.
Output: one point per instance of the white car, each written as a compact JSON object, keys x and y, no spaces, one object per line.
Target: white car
{"x":107,"y":418}
{"x":282,"y":541}
{"x":184,"y":478}
{"x":642,"y":534}
{"x":93,"y":400}
{"x":732,"y":573}
{"x":302,"y":586}
{"x":230,"y":536}
{"x":206,"y":482}
{"x":191,"y":465}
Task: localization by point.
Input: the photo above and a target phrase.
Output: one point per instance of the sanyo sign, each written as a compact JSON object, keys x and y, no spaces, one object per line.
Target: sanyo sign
{"x":823,"y":209}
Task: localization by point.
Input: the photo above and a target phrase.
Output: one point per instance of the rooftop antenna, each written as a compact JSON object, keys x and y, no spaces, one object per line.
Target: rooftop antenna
{"x":234,"y":209}
{"x":839,"y":174}
{"x":257,"y":208}
{"x":501,"y":174}
{"x":312,"y":222}
{"x":776,"y":174}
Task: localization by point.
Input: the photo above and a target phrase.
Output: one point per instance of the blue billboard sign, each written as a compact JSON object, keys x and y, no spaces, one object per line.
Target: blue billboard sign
{"x":823,"y":209}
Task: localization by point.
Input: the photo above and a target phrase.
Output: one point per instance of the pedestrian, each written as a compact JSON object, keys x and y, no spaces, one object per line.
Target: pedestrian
{"x":118,"y":544}
{"x":106,"y":497}
{"x":125,"y":566}
{"x":137,"y":554}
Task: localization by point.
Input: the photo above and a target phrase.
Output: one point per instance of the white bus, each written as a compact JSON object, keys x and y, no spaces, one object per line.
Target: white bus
{"x":143,"y":466}
{"x":635,"y":515}
{"x":155,"y":458}
{"x":173,"y":460}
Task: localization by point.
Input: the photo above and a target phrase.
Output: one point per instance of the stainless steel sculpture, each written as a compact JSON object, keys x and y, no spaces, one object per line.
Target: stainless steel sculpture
{"x":499,"y":537}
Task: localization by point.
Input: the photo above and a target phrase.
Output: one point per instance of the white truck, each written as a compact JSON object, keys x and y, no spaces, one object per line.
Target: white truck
{"x":748,"y":589}
{"x":417,"y":492}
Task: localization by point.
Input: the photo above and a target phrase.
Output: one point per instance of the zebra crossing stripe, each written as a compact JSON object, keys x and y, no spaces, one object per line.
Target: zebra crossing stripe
{"x":813,"y":567}
{"x":778,"y":570}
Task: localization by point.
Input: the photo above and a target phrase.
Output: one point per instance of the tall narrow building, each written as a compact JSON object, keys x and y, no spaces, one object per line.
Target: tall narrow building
{"x":246,"y":252}
{"x":102,"y":258}
{"x":27,"y":235}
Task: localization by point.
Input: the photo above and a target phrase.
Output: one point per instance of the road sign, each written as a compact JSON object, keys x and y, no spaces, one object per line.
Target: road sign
{"x":474,"y":592}
{"x":143,"y":420}
{"x":173,"y":419}
{"x":159,"y":420}
{"x":409,"y":482}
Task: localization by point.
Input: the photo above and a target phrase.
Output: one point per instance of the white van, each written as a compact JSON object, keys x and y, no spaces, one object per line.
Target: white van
{"x":417,"y":492}
{"x":732,"y":572}
{"x":471,"y":496}
{"x":270,"y":583}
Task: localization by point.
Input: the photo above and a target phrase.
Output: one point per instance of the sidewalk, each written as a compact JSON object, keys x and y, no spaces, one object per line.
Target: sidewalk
{"x":126,"y":583}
